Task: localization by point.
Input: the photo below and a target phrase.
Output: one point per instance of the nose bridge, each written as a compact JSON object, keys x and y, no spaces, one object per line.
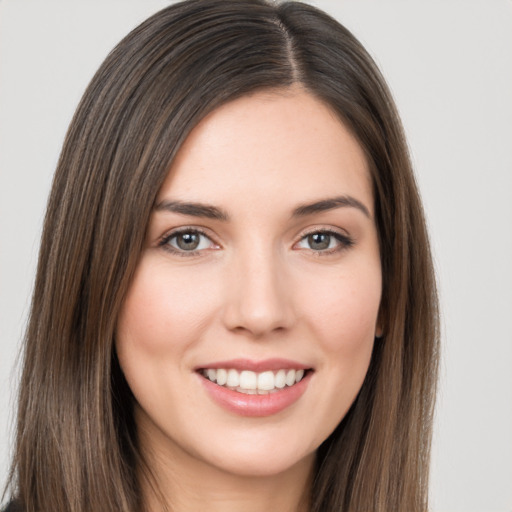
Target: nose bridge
{"x":259,"y":298}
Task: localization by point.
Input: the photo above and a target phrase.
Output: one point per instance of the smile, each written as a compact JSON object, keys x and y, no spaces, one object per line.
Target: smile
{"x":255,"y":388}
{"x":254,"y":383}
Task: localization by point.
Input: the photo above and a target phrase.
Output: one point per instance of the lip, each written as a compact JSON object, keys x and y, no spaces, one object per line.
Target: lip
{"x":255,"y":405}
{"x":256,"y":366}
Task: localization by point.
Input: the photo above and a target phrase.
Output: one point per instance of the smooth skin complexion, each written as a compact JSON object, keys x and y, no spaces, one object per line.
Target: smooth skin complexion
{"x":262,"y":256}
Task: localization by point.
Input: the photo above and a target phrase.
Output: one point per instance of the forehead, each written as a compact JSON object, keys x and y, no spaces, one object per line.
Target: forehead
{"x":283,"y":145}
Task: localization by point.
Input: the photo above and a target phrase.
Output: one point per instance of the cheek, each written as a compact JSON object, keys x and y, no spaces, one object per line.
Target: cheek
{"x":163,"y":316}
{"x":340,"y":311}
{"x":163,"y":310}
{"x":344,"y":313}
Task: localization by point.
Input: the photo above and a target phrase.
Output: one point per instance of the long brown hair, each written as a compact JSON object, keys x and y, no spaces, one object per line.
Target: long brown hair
{"x":76,"y":446}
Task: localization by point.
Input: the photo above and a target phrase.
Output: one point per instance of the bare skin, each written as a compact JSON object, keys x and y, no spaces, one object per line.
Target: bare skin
{"x":197,"y":486}
{"x":262,"y":251}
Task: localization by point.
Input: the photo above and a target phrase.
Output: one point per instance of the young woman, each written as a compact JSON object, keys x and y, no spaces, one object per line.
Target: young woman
{"x":235,"y":305}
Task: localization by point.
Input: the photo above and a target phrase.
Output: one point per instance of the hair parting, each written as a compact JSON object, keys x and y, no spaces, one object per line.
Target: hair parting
{"x":76,"y":446}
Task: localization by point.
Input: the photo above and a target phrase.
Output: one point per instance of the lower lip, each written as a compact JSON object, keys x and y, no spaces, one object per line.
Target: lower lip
{"x":256,"y":405}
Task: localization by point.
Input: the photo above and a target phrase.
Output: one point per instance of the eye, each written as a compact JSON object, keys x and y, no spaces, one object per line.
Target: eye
{"x":187,"y":241}
{"x":325,"y":241}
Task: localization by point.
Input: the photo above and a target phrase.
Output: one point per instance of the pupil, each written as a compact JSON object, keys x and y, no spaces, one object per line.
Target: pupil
{"x":319,"y":241}
{"x":188,"y":241}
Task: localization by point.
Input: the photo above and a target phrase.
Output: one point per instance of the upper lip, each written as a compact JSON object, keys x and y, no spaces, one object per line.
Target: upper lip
{"x":256,"y":366}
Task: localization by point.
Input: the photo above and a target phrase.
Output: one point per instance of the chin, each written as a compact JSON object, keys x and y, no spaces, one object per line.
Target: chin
{"x":262,"y":463}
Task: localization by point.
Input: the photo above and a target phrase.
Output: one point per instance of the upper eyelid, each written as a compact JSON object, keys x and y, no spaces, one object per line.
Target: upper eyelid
{"x":163,"y":242}
{"x":187,"y":229}
{"x":342,"y":235}
{"x":323,"y":229}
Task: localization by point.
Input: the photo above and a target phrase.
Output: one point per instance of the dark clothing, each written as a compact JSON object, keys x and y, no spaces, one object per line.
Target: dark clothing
{"x":12,"y":507}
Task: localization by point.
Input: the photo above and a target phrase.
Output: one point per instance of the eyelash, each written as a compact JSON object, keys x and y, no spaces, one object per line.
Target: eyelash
{"x":164,"y":242}
{"x":344,"y":241}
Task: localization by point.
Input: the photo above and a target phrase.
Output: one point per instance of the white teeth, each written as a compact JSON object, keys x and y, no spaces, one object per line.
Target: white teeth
{"x":248,"y":380}
{"x":290,"y":377}
{"x":247,"y":391}
{"x":233,"y":379}
{"x":280,"y":379}
{"x":222,"y":376}
{"x":252,"y":383}
{"x":266,"y":381}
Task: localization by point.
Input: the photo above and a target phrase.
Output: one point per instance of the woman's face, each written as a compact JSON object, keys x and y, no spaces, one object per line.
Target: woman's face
{"x":261,"y":267}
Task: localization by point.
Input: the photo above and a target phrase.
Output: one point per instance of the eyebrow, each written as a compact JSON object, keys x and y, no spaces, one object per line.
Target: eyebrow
{"x":330,"y":204}
{"x":213,"y":212}
{"x":193,"y":209}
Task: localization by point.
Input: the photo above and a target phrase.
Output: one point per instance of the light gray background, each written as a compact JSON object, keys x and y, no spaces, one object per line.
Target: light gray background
{"x":448,"y":63}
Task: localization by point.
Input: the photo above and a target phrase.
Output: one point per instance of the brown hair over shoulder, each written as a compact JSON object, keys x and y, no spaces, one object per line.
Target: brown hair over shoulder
{"x":76,"y":447}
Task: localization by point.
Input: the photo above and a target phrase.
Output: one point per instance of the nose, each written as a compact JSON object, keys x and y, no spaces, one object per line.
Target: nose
{"x":259,"y":295}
